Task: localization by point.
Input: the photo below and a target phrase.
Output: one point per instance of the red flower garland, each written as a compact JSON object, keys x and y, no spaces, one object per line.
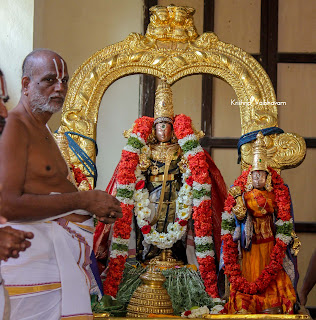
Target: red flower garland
{"x":202,"y":215}
{"x":122,"y":227}
{"x":80,"y":176}
{"x":230,"y":248}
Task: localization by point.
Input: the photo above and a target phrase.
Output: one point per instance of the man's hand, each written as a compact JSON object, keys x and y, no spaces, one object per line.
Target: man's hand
{"x":2,"y":219}
{"x":13,"y":241}
{"x":106,"y":207}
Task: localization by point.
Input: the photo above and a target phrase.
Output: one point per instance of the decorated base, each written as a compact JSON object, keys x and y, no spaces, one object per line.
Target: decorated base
{"x":166,"y":261}
{"x":150,"y":297}
{"x":100,"y":316}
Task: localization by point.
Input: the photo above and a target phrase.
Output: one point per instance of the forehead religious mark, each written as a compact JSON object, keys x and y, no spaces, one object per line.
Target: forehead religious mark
{"x":59,"y":77}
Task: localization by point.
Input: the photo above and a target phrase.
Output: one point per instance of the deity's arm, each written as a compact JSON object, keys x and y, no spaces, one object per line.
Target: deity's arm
{"x":239,"y":209}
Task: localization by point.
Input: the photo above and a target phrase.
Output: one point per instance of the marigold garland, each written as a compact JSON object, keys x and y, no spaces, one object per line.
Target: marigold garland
{"x":230,"y":247}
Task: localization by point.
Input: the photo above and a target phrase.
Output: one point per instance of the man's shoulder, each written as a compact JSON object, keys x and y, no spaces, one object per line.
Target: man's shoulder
{"x":17,"y":120}
{"x":16,"y":126}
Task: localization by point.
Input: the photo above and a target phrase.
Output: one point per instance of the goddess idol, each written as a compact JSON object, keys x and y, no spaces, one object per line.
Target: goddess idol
{"x":171,"y":195}
{"x":257,"y":226}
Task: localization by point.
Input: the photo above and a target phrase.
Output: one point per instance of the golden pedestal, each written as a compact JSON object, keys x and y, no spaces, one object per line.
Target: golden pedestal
{"x":150,"y":297}
{"x":166,"y":261}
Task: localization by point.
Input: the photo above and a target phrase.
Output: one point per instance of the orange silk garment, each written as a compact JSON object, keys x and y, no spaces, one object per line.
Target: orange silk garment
{"x":280,"y":292}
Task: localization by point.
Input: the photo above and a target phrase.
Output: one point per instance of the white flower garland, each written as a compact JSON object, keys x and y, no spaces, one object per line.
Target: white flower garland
{"x":184,"y":203}
{"x":174,"y":230}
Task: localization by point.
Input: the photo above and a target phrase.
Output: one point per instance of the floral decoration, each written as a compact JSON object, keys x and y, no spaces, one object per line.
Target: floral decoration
{"x":125,"y":190}
{"x":202,"y":212}
{"x":193,"y":197}
{"x":80,"y":176}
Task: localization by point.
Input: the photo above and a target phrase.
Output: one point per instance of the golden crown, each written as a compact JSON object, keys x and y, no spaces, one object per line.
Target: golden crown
{"x":259,"y":154}
{"x":163,"y":110}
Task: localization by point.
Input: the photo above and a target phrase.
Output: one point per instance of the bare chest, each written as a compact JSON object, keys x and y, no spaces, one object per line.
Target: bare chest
{"x":44,"y":159}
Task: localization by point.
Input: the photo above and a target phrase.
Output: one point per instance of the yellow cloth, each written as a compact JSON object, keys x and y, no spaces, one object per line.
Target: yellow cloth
{"x":280,"y":292}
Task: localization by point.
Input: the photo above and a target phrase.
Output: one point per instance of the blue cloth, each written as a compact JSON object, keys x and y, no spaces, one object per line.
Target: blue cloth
{"x":250,"y":136}
{"x":95,"y":271}
{"x":82,"y":155}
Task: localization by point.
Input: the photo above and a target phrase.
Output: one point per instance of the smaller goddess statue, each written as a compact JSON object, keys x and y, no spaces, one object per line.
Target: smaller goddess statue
{"x":257,"y":227}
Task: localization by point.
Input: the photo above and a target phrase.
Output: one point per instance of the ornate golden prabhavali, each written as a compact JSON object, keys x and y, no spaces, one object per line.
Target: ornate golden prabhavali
{"x":172,"y":49}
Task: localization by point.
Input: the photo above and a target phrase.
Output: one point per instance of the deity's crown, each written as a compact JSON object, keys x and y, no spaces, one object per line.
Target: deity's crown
{"x":259,"y":154}
{"x":163,"y":103}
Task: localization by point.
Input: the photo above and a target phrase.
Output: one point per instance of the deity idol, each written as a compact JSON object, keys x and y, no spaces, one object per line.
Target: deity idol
{"x":258,"y":216}
{"x":165,"y":182}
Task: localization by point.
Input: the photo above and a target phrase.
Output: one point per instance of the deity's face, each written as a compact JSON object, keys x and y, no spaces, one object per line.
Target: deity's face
{"x":259,"y":178}
{"x":163,"y":131}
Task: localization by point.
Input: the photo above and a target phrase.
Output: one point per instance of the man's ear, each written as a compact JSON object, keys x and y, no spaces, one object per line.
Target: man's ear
{"x":25,"y":85}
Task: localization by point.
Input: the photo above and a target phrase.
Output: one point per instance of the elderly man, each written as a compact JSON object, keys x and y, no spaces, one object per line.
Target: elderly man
{"x":11,"y":241}
{"x":51,"y":280}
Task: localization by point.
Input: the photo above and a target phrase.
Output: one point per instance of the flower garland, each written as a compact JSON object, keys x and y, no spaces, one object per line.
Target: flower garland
{"x":125,"y":188}
{"x":196,"y":191}
{"x":175,"y":230}
{"x":202,"y":212}
{"x":284,"y":227}
{"x":80,"y":176}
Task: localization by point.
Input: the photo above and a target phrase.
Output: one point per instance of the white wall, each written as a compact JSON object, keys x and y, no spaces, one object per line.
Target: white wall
{"x":16,"y":41}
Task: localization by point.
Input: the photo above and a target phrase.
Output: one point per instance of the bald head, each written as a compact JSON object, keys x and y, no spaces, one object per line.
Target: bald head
{"x":44,"y":80}
{"x":34,"y":58}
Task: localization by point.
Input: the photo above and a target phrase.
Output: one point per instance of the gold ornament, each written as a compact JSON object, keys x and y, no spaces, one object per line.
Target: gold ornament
{"x":296,"y":245}
{"x":150,"y":297}
{"x":163,"y":152}
{"x":183,"y":164}
{"x":62,"y":143}
{"x":235,"y":192}
{"x":154,"y":170}
{"x":171,"y":23}
{"x":249,"y":185}
{"x":144,"y":162}
{"x":239,"y":209}
{"x":166,"y":261}
{"x":172,"y":49}
{"x":268,"y":184}
{"x":163,"y":103}
{"x":83,"y":186}
{"x":259,"y":154}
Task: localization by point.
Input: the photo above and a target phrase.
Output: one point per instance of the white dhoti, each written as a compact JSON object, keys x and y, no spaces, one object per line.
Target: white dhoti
{"x":50,"y":280}
{"x":4,"y":302}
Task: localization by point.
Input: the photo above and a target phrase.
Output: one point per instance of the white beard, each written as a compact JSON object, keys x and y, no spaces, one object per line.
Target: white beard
{"x":40,"y":104}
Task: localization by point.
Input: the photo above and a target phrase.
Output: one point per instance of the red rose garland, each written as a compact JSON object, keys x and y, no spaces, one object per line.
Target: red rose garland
{"x":230,"y":248}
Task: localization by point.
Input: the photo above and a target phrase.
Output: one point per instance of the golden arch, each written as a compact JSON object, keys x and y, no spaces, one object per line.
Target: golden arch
{"x":174,"y":50}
